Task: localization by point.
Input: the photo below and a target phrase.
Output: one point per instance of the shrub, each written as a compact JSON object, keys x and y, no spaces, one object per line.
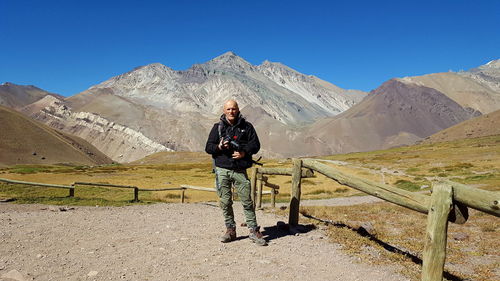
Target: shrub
{"x":407,"y":185}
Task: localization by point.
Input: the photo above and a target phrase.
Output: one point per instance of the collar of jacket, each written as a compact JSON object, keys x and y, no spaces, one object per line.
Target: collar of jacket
{"x":238,"y":121}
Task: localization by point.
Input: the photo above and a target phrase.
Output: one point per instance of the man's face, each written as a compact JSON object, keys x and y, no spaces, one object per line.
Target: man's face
{"x":231,"y":111}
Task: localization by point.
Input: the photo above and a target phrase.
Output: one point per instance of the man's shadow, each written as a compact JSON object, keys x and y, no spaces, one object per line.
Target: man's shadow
{"x":393,"y":249}
{"x":282,"y":229}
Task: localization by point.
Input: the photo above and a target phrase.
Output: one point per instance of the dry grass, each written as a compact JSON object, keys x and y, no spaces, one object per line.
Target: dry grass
{"x":399,"y":232}
{"x":473,"y":161}
{"x":470,"y":161}
{"x":142,"y":176}
{"x":398,"y":238}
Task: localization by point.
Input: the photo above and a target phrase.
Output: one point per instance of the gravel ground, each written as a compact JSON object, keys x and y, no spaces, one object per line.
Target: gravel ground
{"x":163,"y":242}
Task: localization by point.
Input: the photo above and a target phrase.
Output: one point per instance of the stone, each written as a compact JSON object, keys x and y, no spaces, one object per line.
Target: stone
{"x":460,"y":236}
{"x":363,"y":228}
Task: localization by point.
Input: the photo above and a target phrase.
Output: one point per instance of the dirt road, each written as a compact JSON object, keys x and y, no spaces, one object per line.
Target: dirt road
{"x":163,"y":242}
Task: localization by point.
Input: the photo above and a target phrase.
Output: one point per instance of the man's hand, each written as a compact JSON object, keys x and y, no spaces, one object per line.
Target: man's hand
{"x":238,"y":154}
{"x":223,"y":144}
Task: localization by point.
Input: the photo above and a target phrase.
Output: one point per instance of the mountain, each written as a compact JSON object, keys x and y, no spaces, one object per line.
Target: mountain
{"x":17,"y":96}
{"x":478,"y":88}
{"x":154,"y":108}
{"x":290,"y":97}
{"x":25,"y":141}
{"x":487,"y":74}
{"x":394,"y":114}
{"x":174,"y":110}
{"x":119,"y":142}
{"x":482,"y":126}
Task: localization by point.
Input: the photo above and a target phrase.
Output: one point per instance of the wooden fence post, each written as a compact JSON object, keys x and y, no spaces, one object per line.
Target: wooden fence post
{"x":259,"y":191}
{"x":293,"y":217}
{"x":72,"y":190}
{"x":182,"y":195}
{"x":253,"y":182}
{"x":136,"y":194}
{"x":273,"y":198}
{"x":434,"y":255}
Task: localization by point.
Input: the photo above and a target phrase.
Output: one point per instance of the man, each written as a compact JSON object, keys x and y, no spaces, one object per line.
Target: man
{"x":232,"y":142}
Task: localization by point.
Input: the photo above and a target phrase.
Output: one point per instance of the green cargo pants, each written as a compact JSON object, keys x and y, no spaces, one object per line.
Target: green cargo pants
{"x":225,"y":178}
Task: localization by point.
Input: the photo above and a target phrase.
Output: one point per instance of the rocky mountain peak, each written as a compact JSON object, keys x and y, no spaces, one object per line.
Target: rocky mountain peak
{"x":487,"y":74}
{"x":229,"y":60}
{"x":139,"y":77}
{"x":20,"y":87}
{"x":153,"y":69}
{"x":279,"y":68}
{"x":492,"y":64}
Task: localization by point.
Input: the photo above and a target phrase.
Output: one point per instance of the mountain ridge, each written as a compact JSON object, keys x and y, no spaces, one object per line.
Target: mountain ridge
{"x":294,"y":114}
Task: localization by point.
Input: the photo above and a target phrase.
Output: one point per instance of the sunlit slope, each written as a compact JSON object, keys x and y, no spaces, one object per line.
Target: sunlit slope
{"x":25,"y":141}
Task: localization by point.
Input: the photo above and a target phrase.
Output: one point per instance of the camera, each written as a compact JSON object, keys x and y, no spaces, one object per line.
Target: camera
{"x":234,"y":145}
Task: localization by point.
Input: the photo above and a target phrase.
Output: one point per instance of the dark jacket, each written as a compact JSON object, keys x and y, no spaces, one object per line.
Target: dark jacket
{"x":243,"y":133}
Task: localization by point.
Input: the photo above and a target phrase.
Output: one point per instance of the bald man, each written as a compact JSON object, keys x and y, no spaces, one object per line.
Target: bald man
{"x":232,"y":142}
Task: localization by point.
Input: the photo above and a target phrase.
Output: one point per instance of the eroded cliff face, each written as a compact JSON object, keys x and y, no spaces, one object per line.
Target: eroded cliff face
{"x":120,"y":143}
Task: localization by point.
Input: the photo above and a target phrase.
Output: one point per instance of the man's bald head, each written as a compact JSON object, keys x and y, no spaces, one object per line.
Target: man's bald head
{"x":231,"y":111}
{"x":230,"y":103}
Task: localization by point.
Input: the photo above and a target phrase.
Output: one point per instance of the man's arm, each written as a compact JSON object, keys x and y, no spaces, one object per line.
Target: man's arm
{"x":253,"y":145}
{"x":213,"y":141}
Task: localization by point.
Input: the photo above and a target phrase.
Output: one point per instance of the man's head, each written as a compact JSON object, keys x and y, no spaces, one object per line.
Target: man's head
{"x":231,"y":111}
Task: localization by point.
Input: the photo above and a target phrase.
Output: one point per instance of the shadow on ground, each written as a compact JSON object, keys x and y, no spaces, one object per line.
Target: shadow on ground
{"x":362,"y":232}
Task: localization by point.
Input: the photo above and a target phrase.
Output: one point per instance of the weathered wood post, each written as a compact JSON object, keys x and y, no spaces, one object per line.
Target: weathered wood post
{"x":259,"y":190}
{"x":253,"y":183}
{"x":182,"y":195}
{"x":72,"y":190}
{"x":136,"y":194}
{"x":434,"y":255}
{"x":293,"y":217}
{"x":273,"y":198}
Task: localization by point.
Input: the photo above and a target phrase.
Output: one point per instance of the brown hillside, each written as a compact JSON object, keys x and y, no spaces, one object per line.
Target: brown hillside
{"x":167,"y":157}
{"x":17,"y":96}
{"x":25,"y":141}
{"x":482,"y":126}
{"x":464,"y":90}
{"x":394,"y":114}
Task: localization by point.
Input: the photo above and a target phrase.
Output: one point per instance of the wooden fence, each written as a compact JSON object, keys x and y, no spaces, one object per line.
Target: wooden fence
{"x":448,"y":202}
{"x":136,"y":189}
{"x":258,"y":179}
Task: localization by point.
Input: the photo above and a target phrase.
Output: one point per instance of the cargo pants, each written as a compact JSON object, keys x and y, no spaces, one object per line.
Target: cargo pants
{"x":224,"y":179}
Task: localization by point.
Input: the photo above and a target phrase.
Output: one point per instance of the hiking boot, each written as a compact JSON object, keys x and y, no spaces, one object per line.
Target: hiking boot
{"x":257,"y":237}
{"x":229,"y":236}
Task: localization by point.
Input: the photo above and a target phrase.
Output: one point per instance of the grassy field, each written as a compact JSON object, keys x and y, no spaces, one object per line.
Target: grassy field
{"x":398,"y":233}
{"x":474,"y":161}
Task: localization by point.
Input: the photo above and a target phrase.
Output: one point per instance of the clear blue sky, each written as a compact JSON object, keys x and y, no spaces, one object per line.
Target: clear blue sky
{"x":67,"y":46}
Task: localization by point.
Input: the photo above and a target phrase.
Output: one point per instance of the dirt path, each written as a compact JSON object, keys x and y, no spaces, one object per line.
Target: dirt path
{"x":340,"y":201}
{"x":162,"y":242}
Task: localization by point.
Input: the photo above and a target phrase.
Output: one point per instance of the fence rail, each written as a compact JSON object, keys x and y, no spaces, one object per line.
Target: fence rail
{"x":258,"y":180}
{"x":448,"y":202}
{"x":36,"y":183}
{"x":136,"y":189}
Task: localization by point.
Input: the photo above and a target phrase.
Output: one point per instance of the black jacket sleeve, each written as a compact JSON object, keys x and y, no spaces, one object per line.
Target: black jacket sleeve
{"x":213,"y":141}
{"x":253,"y":145}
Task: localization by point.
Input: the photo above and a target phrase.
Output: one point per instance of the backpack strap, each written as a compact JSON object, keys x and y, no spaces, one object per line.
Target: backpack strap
{"x":220,"y":128}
